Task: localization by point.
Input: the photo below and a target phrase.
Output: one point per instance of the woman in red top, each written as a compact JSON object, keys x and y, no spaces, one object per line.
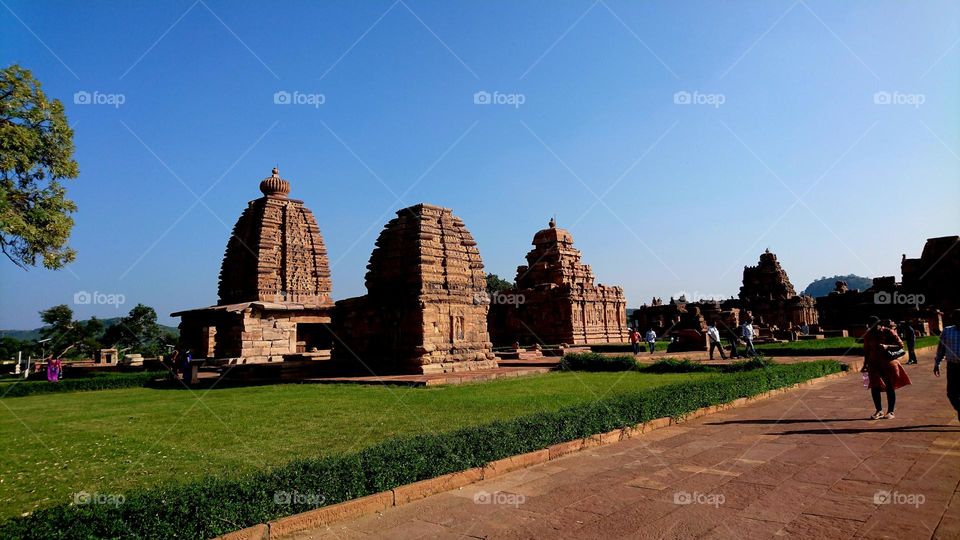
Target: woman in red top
{"x":885,"y":373}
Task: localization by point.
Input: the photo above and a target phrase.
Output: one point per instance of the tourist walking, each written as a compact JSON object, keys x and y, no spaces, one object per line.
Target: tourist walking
{"x":54,"y":369}
{"x":949,"y":348}
{"x":881,"y":348}
{"x":910,"y":340}
{"x":651,"y":339}
{"x":734,"y":338}
{"x":635,"y":341}
{"x":747,"y":332}
{"x":714,"y":336}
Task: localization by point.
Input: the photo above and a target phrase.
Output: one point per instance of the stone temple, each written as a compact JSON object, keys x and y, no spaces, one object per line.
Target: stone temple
{"x":770,"y":297}
{"x":425,"y":310}
{"x":555,"y":300}
{"x":274,"y":293}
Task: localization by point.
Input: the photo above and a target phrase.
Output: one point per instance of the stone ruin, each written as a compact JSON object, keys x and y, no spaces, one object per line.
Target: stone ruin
{"x":686,"y":322}
{"x":931,"y":278}
{"x":274,"y":292}
{"x":425,"y":310}
{"x":555,"y":300}
{"x":935,"y":273}
{"x":770,"y":297}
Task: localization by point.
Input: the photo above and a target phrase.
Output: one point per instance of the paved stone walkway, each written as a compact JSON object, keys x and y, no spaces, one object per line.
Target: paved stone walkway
{"x":803,"y":464}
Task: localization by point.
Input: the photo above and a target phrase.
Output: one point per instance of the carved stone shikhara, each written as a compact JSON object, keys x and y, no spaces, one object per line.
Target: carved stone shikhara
{"x":770,"y":297}
{"x":425,"y":310}
{"x":274,"y":293}
{"x":555,"y":300}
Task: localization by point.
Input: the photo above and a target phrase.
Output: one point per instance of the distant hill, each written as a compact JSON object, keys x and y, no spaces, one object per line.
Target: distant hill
{"x":30,"y":335}
{"x":826,"y":285}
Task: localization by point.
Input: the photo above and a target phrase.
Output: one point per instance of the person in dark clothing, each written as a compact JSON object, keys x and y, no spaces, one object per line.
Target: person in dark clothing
{"x":910,"y":340}
{"x":732,"y":336}
{"x":885,"y":373}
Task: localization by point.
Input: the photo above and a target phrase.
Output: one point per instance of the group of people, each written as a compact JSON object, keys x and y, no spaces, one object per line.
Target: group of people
{"x":179,"y":364}
{"x":744,"y":334}
{"x":883,"y":373}
{"x":650,"y":336}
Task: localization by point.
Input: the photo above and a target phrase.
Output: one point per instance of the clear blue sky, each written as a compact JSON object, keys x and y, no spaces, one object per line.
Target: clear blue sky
{"x":690,"y":192}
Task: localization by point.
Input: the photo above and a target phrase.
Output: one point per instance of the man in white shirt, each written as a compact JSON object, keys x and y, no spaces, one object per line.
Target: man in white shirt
{"x":747,"y":333}
{"x":651,"y":339}
{"x":714,"y":336}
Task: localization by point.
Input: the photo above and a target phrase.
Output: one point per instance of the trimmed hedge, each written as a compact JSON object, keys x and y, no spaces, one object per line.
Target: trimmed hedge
{"x":592,"y":361}
{"x":209,"y":507}
{"x":599,"y":362}
{"x":103,"y":381}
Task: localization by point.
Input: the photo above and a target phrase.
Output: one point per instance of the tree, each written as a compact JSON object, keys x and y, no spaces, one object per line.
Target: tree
{"x":9,"y":347}
{"x":64,"y":333}
{"x":496,"y":284}
{"x":138,"y":330}
{"x":36,"y":153}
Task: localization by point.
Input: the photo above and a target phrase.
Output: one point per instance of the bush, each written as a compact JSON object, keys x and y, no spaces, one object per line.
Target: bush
{"x":679,"y":366}
{"x":209,"y":507}
{"x":592,"y":361}
{"x":105,"y":381}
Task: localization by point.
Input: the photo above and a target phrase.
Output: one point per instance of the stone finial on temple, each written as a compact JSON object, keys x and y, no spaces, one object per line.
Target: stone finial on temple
{"x":274,"y":186}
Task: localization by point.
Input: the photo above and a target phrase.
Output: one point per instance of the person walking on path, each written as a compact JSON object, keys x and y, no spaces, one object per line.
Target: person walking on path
{"x":884,"y":371}
{"x":910,"y":339}
{"x":734,"y":338}
{"x":949,"y":348}
{"x":635,"y":341}
{"x":714,"y":336}
{"x":651,"y":339}
{"x":747,"y":332}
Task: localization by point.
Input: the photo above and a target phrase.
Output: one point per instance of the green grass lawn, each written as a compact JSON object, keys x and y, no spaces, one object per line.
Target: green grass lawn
{"x":109,"y":441}
{"x":830,"y":346}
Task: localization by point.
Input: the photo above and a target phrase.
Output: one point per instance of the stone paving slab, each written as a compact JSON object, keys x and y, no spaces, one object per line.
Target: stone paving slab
{"x":804,"y":464}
